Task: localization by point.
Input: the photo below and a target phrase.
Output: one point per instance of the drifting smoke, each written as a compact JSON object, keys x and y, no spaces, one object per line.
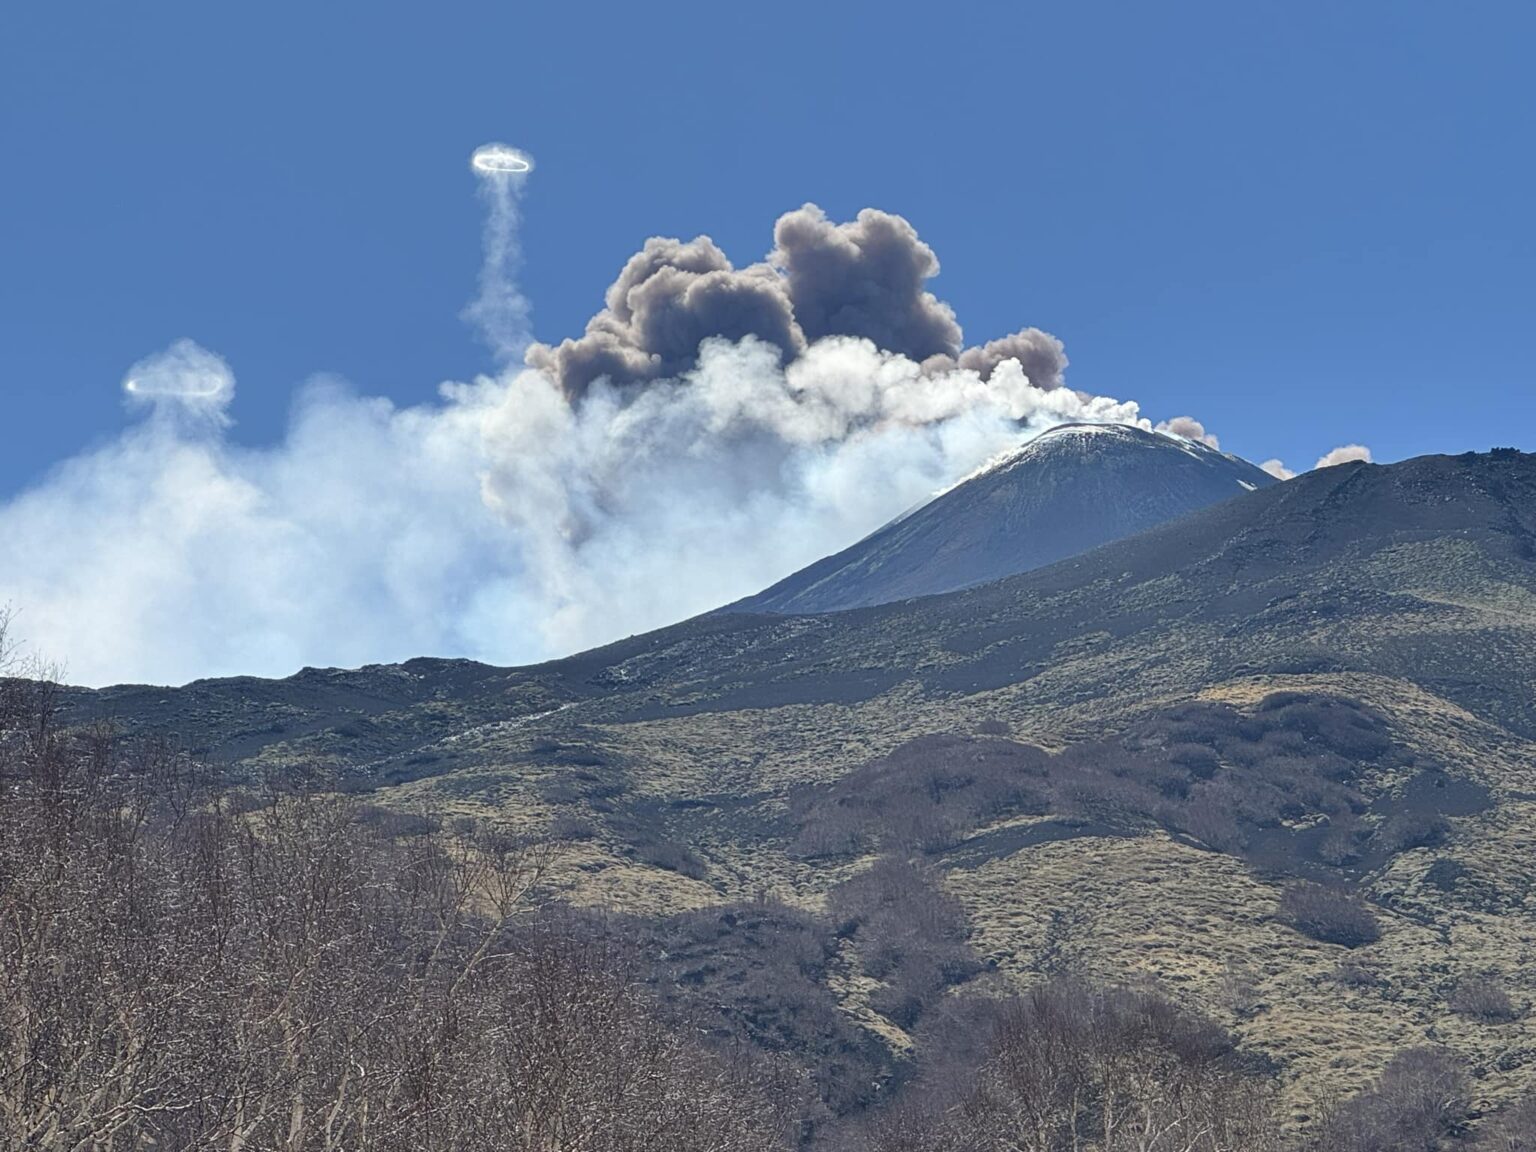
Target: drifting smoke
{"x":1039,"y":353}
{"x":1344,"y":454}
{"x":184,"y":380}
{"x":712,"y":430}
{"x":863,"y":279}
{"x":821,"y":280}
{"x":501,"y":311}
{"x":1191,"y":429}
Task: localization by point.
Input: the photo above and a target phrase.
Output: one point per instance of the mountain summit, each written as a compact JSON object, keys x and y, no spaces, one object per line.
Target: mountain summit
{"x":1070,"y":489}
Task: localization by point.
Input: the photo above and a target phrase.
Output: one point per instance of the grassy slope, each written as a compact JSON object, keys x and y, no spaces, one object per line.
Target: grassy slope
{"x":1410,"y":588}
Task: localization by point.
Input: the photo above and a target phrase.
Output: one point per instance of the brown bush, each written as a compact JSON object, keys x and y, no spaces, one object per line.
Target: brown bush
{"x":1210,"y":819}
{"x":925,"y":796}
{"x":1070,"y":1065}
{"x":1340,"y":845}
{"x":1420,"y":1100}
{"x":1513,"y":1130}
{"x":1329,"y":915}
{"x":1208,"y":771}
{"x":758,"y":972}
{"x":1483,"y":999}
{"x":1407,"y":830}
{"x":908,"y":934}
{"x":1353,"y":974}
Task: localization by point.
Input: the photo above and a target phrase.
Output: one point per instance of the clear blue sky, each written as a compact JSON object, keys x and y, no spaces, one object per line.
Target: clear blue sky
{"x":1305,"y":223}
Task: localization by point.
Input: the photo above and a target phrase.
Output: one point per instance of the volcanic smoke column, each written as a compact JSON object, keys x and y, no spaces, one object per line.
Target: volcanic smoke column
{"x":501,"y":311}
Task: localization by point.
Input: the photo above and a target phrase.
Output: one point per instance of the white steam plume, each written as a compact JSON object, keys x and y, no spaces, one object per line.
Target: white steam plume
{"x":1344,"y":454}
{"x":1191,"y":429}
{"x":501,"y":311}
{"x":186,"y":381}
{"x":511,"y":520}
{"x":500,"y":523}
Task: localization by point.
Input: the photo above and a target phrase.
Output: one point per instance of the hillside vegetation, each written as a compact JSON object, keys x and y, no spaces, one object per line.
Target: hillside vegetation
{"x":1273,"y":764}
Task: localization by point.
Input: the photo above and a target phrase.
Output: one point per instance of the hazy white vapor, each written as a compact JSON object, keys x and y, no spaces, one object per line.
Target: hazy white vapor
{"x":539,"y":510}
{"x":501,"y":311}
{"x":500,"y":159}
{"x":1344,"y":454}
{"x":1191,"y":429}
{"x":501,"y":522}
{"x":184,"y":375}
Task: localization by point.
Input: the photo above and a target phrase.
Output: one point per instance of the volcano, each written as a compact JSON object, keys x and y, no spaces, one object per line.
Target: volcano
{"x":1069,"y":490}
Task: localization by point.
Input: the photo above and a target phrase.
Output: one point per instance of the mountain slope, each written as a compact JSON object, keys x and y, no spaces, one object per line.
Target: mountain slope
{"x":1069,"y":490}
{"x":1116,"y":765}
{"x":1424,"y":571}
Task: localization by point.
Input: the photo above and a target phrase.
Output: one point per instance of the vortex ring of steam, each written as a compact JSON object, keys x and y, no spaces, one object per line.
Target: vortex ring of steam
{"x":499,"y":160}
{"x":138,"y":387}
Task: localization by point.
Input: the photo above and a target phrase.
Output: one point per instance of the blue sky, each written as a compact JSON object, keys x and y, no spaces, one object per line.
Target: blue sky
{"x":1305,"y":224}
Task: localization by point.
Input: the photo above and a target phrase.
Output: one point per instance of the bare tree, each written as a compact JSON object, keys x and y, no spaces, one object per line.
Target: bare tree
{"x":1074,"y":1067}
{"x":1419,"y":1101}
{"x":1513,"y":1130}
{"x":183,"y":967}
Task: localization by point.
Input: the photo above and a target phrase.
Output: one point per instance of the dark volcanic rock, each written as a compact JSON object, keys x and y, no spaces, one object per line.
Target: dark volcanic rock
{"x":1421,"y":571}
{"x":1074,"y":488}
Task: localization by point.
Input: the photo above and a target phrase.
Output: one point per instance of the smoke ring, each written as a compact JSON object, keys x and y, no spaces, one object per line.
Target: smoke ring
{"x":500,"y":160}
{"x":139,"y":387}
